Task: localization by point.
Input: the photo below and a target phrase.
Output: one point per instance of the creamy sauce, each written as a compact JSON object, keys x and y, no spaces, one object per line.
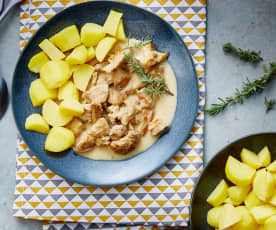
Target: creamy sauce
{"x":164,"y":109}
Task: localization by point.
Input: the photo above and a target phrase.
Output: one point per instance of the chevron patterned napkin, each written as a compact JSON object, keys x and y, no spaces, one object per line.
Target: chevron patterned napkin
{"x":161,"y":199}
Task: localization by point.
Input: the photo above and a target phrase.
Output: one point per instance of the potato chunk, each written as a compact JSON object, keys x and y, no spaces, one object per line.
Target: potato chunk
{"x":252,"y":200}
{"x":82,"y":75}
{"x":264,"y":156}
{"x":120,"y":34}
{"x":238,"y":193}
{"x":112,"y":22}
{"x":91,"y":34}
{"x":35,"y":122}
{"x":91,"y":53}
{"x":218,"y":195}
{"x":53,"y":52}
{"x":263,"y":185}
{"x":55,"y":73}
{"x":78,"y":56}
{"x":270,"y":223}
{"x":239,"y":173}
{"x":39,"y":93}
{"x":72,"y":107}
{"x":52,"y":114}
{"x":263,"y":212}
{"x":68,"y":90}
{"x":272,"y":167}
{"x":230,"y":217}
{"x":250,"y":158}
{"x":103,"y":47}
{"x":247,"y":221}
{"x":59,"y":139}
{"x":37,"y":61}
{"x":213,"y":216}
{"x":67,"y":39}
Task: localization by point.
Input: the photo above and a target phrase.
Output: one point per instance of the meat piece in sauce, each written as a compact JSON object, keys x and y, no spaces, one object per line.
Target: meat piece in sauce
{"x":148,"y":57}
{"x":100,"y":128}
{"x":134,"y":84}
{"x":116,"y":61}
{"x":76,"y":126}
{"x":97,"y":94}
{"x":84,"y":143}
{"x":115,"y":97}
{"x":103,"y":141}
{"x":126,"y":143}
{"x":86,"y":116}
{"x":96,"y":112}
{"x":104,"y":78}
{"x":117,"y":131}
{"x":120,"y":78}
{"x":146,"y":100}
{"x":127,"y":113}
{"x":157,"y":126}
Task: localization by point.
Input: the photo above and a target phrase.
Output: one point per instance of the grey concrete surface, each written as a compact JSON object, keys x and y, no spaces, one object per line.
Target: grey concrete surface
{"x":247,"y":23}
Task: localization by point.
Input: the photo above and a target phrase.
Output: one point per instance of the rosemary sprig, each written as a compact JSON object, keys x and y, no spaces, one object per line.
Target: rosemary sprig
{"x":269,"y":103}
{"x":155,"y":85}
{"x":246,"y":55}
{"x":139,"y":44}
{"x":249,"y":88}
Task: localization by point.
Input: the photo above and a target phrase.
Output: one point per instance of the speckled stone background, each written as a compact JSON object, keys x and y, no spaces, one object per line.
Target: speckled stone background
{"x":247,"y":23}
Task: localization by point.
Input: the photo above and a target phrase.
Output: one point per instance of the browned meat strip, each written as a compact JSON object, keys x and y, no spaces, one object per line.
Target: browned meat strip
{"x":86,"y":116}
{"x":97,"y":94}
{"x":99,"y":129}
{"x":104,"y":78}
{"x":120,"y":78}
{"x":76,"y":126}
{"x":126,"y":143}
{"x":115,"y":97}
{"x":84,"y":143}
{"x":103,"y":141}
{"x":96,"y":112}
{"x":117,"y":131}
{"x":116,"y":61}
{"x":133,"y":84}
{"x":157,"y":126}
{"x":146,"y":100}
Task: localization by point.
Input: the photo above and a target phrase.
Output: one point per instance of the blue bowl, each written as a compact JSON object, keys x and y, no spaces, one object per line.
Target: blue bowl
{"x":140,"y":23}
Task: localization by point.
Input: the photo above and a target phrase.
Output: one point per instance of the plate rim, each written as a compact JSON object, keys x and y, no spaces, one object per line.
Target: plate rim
{"x":194,"y":76}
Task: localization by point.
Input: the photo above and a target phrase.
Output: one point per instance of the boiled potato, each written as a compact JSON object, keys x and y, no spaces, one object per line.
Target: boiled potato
{"x":59,"y":139}
{"x":272,"y":200}
{"x":103,"y":47}
{"x":250,"y":158}
{"x":264,"y":156}
{"x":112,"y":22}
{"x":91,"y":34}
{"x":52,"y":114}
{"x":252,"y":200}
{"x":49,"y":48}
{"x":67,"y":39}
{"x":68,"y":90}
{"x":263,"y":185}
{"x":55,"y":73}
{"x":272,"y":167}
{"x":228,"y":200}
{"x":71,"y":106}
{"x":39,"y":93}
{"x":120,"y":34}
{"x":35,"y":122}
{"x":37,"y":61}
{"x":238,"y":193}
{"x":260,"y":227}
{"x":219,"y":194}
{"x":230,"y":217}
{"x":213,"y":216}
{"x":263,"y":212}
{"x":270,"y":223}
{"x":239,"y":173}
{"x":78,"y":56}
{"x":247,"y":221}
{"x":82,"y":75}
{"x":91,"y":53}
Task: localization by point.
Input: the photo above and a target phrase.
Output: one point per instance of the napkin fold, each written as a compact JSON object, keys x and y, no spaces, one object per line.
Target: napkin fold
{"x":161,"y":199}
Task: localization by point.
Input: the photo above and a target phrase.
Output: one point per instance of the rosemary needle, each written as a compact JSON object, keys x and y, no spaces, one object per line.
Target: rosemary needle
{"x":249,"y":88}
{"x":246,"y":55}
{"x":269,"y":103}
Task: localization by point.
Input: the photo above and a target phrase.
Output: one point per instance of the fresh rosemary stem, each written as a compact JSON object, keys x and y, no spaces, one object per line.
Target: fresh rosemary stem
{"x":269,"y":104}
{"x":246,"y":55}
{"x":249,"y":88}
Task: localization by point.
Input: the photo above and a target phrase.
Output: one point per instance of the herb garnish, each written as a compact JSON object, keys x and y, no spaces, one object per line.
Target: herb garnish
{"x":269,"y":103}
{"x":249,"y":88}
{"x":246,"y":55}
{"x":154,"y":85}
{"x":140,"y":43}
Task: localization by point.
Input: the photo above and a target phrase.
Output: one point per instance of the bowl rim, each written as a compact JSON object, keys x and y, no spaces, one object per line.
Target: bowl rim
{"x":194,"y":75}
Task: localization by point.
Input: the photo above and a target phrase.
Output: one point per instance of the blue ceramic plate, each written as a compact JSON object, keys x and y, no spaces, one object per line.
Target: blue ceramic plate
{"x":139,"y":23}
